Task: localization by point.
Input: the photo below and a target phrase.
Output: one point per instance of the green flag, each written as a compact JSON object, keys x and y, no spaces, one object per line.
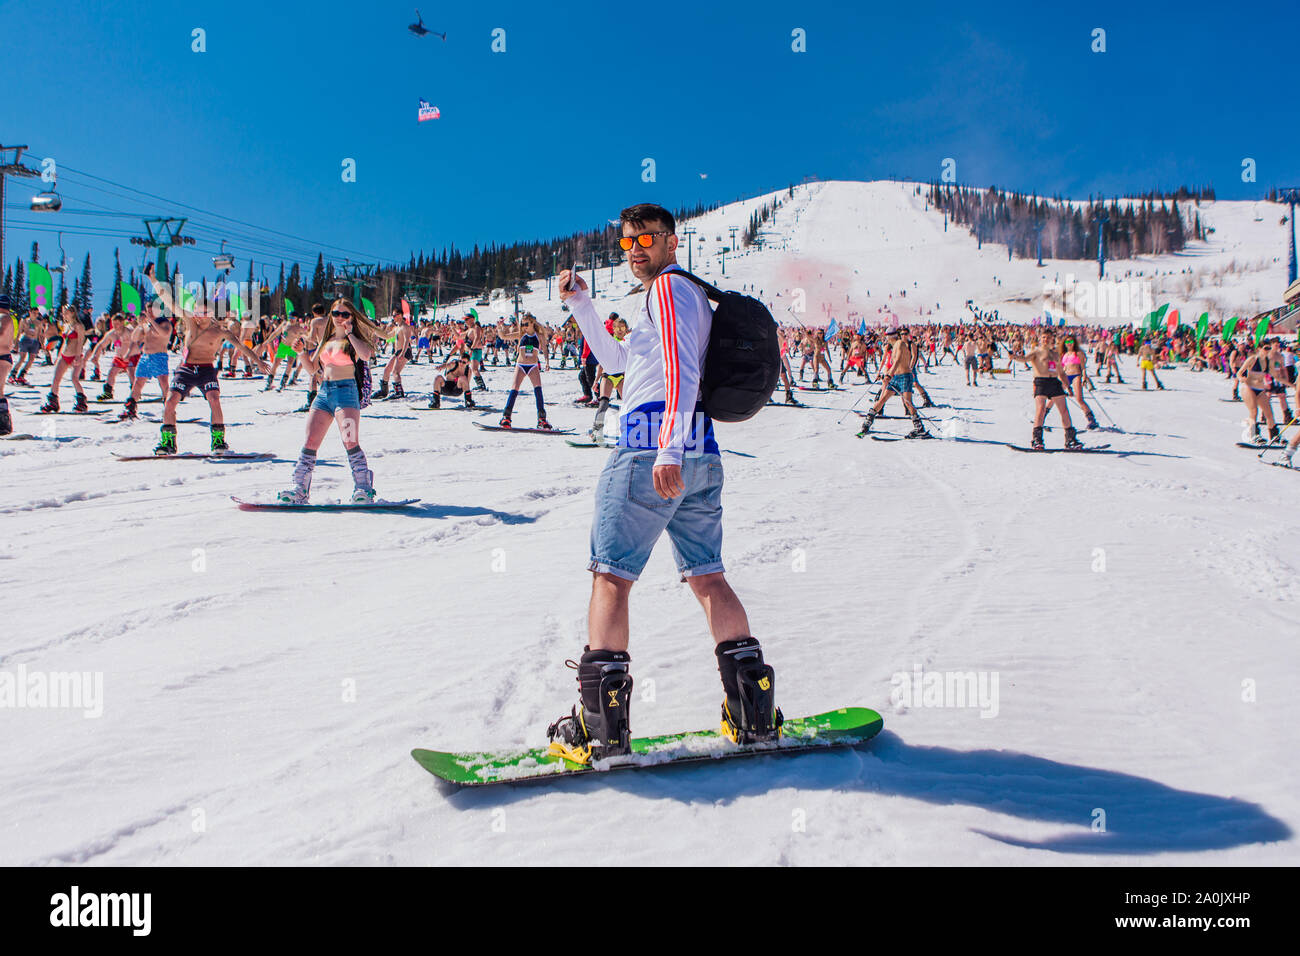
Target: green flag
{"x":288,"y":307}
{"x":1160,"y":312}
{"x":41,"y":286}
{"x":1202,"y":325}
{"x":1229,"y":327}
{"x":236,"y":305}
{"x":369,"y":307}
{"x":1261,"y":330}
{"x":130,"y":299}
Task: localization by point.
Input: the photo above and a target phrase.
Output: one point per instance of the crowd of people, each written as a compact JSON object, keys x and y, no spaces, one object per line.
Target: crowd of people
{"x":126,"y":351}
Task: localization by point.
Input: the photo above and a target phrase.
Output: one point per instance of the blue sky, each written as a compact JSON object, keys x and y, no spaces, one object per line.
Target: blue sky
{"x":549,"y":136}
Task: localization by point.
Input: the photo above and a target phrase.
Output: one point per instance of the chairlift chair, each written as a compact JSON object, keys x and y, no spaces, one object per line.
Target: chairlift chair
{"x":223,"y":260}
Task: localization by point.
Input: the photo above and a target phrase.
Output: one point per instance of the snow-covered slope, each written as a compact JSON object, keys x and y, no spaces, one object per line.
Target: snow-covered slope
{"x":873,"y":251}
{"x":265,"y":675}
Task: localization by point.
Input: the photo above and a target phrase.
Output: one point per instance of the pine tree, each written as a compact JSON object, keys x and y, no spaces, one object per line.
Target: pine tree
{"x":115,"y":304}
{"x":22,"y":295}
{"x":85,"y":301}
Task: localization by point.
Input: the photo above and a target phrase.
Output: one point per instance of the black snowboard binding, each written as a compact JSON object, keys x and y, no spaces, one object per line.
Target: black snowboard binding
{"x":599,"y":727}
{"x":749,"y":711}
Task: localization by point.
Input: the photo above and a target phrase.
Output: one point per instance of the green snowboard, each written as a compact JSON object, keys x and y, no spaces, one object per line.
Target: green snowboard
{"x":846,"y":727}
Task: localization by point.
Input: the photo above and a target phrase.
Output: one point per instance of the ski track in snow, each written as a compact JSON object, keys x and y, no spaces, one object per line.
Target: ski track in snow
{"x":269,"y":673}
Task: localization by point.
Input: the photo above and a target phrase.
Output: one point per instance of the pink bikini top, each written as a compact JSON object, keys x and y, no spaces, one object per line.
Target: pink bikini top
{"x":331,"y":354}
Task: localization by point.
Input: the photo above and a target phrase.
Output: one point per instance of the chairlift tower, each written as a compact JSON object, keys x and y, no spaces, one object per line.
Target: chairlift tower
{"x":359,"y":275}
{"x":162,"y":234}
{"x":10,"y":166}
{"x":1290,"y":195}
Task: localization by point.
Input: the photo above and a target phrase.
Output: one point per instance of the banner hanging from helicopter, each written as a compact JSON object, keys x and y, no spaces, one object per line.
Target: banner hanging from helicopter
{"x":428,"y":112}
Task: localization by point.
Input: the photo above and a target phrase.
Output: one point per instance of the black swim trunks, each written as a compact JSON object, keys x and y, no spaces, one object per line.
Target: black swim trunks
{"x":1048,"y":386}
{"x":202,"y":377}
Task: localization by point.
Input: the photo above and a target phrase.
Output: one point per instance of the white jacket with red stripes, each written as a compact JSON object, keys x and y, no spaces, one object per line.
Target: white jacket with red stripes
{"x":662,"y":358}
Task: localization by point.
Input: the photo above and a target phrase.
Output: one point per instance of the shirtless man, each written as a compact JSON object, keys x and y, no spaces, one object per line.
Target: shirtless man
{"x":401,"y":355}
{"x":1049,"y":386}
{"x":969,"y":361}
{"x":475,"y":336}
{"x":452,"y":380}
{"x":202,"y":337}
{"x":315,"y":334}
{"x":249,"y":333}
{"x":150,"y":339}
{"x":1112,"y":361}
{"x":7,"y":324}
{"x":1147,"y":361}
{"x":899,"y":382}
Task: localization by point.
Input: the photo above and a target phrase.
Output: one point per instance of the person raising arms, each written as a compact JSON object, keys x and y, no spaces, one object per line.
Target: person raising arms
{"x":202,"y":337}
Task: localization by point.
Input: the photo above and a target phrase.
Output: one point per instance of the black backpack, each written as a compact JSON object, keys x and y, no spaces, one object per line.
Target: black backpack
{"x":743,"y":361}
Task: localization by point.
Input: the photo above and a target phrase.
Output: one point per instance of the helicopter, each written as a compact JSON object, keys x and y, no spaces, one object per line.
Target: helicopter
{"x":419,"y":29}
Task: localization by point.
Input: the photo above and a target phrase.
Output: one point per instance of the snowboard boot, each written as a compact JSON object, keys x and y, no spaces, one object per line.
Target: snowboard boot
{"x":435,"y":401}
{"x":166,"y":441}
{"x":1072,"y":442}
{"x":599,"y":726}
{"x":51,"y":403}
{"x":362,"y":477}
{"x":749,"y":711}
{"x":311,"y":397}
{"x":380,"y":393}
{"x":790,"y":399}
{"x":1287,"y":453}
{"x":479,"y":383}
{"x":219,"y":438}
{"x":302,"y":472}
{"x":80,"y":404}
{"x":866,"y":424}
{"x":1272,"y":434}
{"x":6,"y":421}
{"x":1036,"y":443}
{"x":505,"y":421}
{"x":105,"y":394}
{"x":543,"y":424}
{"x":1092,"y":420}
{"x":129,"y":409}
{"x":469,"y":399}
{"x":398,"y":391}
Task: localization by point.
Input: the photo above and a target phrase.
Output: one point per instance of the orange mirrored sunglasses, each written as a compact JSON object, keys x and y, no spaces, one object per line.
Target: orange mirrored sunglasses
{"x":645,"y":240}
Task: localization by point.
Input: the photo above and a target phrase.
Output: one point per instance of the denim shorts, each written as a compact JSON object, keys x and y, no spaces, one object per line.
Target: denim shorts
{"x":335,"y":395}
{"x":630,"y":516}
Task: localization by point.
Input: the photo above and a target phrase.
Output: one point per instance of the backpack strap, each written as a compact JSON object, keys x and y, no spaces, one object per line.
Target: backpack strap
{"x":709,"y":291}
